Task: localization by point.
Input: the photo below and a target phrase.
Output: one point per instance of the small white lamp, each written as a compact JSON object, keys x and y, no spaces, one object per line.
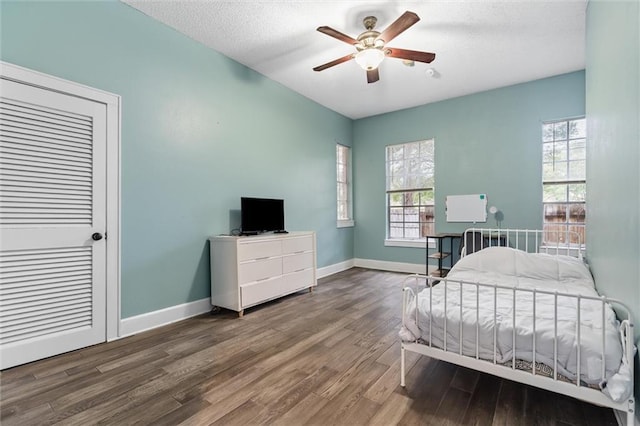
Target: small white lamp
{"x":497,"y":215}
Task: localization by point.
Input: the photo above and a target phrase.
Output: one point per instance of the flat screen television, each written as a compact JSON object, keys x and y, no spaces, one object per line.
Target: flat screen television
{"x":259,"y":215}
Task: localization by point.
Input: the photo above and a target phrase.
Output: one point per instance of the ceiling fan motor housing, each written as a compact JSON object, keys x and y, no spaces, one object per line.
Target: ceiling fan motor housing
{"x":370,"y":22}
{"x":368,"y":39}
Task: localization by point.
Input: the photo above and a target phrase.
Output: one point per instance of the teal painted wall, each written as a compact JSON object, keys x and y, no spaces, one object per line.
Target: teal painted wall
{"x":613,"y":152}
{"x":198,"y":131}
{"x":488,"y":142}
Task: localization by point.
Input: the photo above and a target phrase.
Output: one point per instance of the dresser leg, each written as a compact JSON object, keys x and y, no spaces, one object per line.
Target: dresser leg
{"x":310,"y":289}
{"x":241,"y":313}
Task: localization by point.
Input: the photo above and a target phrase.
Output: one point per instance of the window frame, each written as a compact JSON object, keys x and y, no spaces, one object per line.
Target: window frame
{"x":404,"y":241}
{"x":568,"y":180}
{"x":346,"y":182}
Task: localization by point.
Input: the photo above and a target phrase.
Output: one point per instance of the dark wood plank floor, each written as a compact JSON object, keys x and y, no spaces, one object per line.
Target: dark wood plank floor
{"x":327,"y":357}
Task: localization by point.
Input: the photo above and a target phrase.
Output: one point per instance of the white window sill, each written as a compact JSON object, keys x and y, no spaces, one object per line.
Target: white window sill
{"x":419,"y":243}
{"x":572,"y":250}
{"x":345,"y":224}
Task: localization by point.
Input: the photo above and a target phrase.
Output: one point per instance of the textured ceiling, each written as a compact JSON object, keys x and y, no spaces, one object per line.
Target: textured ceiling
{"x":479,"y":45}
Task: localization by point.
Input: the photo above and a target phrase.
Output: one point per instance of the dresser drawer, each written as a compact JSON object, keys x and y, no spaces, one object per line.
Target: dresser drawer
{"x":254,"y":293}
{"x":259,"y":270}
{"x":297,"y":262}
{"x":297,"y":245}
{"x":298,"y":281}
{"x":259,"y":250}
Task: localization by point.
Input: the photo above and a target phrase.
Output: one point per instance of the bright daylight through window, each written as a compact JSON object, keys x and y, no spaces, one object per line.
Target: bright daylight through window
{"x":410,"y":190}
{"x":564,"y":181}
{"x":344,"y":190}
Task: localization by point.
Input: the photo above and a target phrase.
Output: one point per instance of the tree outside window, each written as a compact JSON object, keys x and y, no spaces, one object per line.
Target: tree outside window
{"x":564,"y":181}
{"x":410,"y":190}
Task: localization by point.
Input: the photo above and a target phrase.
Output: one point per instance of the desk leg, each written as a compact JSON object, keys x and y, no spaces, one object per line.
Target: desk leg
{"x":441,"y":250}
{"x":451,"y":251}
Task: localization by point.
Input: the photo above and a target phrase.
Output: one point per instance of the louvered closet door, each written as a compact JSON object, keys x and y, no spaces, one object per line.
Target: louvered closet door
{"x":52,"y":199}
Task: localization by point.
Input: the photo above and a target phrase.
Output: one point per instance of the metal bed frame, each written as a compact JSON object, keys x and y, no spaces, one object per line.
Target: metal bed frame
{"x":530,"y":241}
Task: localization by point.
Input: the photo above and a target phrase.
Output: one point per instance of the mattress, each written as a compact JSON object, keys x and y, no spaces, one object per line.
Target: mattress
{"x":497,"y":328}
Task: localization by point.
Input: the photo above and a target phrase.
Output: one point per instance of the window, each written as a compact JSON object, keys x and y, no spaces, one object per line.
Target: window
{"x":410,"y":191}
{"x":564,"y":181}
{"x":343,"y":167}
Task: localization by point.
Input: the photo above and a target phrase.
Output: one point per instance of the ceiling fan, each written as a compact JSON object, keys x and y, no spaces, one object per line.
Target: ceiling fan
{"x":371,"y":45}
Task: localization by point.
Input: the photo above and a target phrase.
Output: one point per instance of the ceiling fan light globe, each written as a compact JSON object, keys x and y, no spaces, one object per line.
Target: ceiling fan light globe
{"x":369,"y":59}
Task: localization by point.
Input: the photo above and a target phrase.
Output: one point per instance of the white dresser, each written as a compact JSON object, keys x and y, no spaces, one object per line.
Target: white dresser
{"x":247,"y":271}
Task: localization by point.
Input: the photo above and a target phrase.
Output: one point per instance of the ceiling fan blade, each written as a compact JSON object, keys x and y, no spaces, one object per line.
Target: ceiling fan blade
{"x":334,"y":62}
{"x":411,"y":55}
{"x":399,"y":25}
{"x":373,"y":75}
{"x":337,"y":34}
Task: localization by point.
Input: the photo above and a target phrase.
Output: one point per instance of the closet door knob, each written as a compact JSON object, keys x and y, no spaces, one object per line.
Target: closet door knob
{"x":96,"y":236}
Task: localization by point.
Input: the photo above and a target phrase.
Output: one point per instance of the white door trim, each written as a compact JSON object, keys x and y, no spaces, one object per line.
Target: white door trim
{"x":37,"y":79}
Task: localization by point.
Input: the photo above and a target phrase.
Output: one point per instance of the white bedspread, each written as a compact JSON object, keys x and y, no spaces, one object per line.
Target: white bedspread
{"x":515,"y":268}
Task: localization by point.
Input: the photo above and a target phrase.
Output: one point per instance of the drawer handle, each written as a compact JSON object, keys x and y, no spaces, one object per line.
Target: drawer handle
{"x":262,"y":279}
{"x":261,"y":258}
{"x":300,"y":270}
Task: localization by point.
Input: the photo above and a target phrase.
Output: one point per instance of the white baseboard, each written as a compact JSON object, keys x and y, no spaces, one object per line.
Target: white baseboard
{"x":325,"y":271}
{"x":383,"y":265}
{"x":150,"y":320}
{"x":410,"y":268}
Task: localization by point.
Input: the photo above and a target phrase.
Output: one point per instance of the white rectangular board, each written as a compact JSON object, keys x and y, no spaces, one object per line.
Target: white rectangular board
{"x":466,"y":208}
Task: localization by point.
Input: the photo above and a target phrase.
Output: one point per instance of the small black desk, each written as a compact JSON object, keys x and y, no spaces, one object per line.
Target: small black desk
{"x":476,"y":241}
{"x":440,"y":254}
